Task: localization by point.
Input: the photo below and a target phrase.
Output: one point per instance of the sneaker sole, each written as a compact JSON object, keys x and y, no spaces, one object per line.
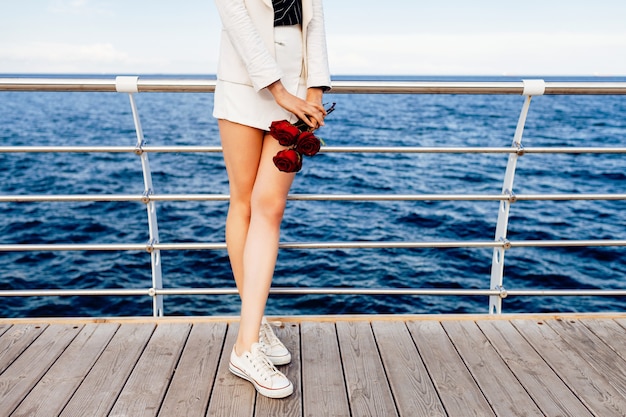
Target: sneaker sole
{"x":280,"y":360}
{"x":267,"y":392}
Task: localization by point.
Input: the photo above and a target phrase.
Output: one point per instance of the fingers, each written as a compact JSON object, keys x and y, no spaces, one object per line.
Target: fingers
{"x":310,"y":112}
{"x":313,"y":115}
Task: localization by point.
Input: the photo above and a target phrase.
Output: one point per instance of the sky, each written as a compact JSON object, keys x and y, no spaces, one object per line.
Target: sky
{"x":404,"y":37}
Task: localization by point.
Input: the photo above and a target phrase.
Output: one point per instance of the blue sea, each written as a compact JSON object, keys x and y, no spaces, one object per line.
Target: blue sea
{"x":84,"y":119}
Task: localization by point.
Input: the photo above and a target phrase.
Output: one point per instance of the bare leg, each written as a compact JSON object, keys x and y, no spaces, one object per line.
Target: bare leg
{"x":258,"y":197}
{"x":242,"y":147}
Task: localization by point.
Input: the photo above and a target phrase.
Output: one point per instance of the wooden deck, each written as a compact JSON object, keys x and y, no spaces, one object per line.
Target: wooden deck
{"x":352,"y":366}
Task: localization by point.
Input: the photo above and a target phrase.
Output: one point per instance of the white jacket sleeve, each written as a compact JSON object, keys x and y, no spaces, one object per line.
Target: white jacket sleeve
{"x":244,"y":40}
{"x":318,"y":73}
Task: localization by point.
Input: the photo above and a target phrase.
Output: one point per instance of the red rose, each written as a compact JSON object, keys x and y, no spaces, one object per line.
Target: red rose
{"x":288,"y":160}
{"x":307,"y":144}
{"x":284,"y":132}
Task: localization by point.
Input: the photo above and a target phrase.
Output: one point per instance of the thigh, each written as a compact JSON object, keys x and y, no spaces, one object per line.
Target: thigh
{"x":242,"y":146}
{"x":271,"y":185}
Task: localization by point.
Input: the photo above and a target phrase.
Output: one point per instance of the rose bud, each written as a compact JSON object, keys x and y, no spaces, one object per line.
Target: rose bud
{"x":284,"y":132}
{"x":308,"y":144}
{"x":288,"y":160}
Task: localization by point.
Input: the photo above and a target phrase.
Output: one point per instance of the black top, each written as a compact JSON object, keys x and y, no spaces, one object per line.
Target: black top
{"x":287,"y":12}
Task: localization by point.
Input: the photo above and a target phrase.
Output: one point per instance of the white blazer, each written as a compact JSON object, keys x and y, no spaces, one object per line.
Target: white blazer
{"x":247,"y":53}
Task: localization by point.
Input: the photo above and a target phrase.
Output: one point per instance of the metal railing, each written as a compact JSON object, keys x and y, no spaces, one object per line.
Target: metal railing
{"x":500,"y":244}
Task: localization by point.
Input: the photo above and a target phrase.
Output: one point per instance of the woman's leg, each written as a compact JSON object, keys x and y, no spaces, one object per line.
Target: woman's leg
{"x":253,"y":225}
{"x":242,"y":152}
{"x":268,"y":202}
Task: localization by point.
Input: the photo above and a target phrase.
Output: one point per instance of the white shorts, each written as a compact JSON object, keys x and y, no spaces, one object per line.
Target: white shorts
{"x":240,"y":103}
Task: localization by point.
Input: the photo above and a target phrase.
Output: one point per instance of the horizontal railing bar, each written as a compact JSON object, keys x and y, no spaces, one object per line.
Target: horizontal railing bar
{"x":566,"y":293}
{"x":396,"y":291}
{"x":54,"y":247}
{"x":451,"y":197}
{"x":308,"y":197}
{"x":574,"y":150}
{"x":342,"y":245}
{"x":313,"y":245}
{"x":58,"y":84}
{"x":473,"y":87}
{"x":309,"y":291}
{"x":68,"y":149}
{"x":324,"y":149}
{"x":106,"y":85}
{"x":486,"y":150}
{"x":76,"y":293}
{"x":451,"y":244}
{"x":70,"y":198}
{"x":233,"y":291}
{"x":202,"y":85}
{"x":333,"y":291}
{"x":566,"y":243}
{"x":568,"y":197}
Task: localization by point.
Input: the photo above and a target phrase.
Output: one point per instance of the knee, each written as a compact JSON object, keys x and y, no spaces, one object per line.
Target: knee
{"x":240,"y":207}
{"x":271,"y":209}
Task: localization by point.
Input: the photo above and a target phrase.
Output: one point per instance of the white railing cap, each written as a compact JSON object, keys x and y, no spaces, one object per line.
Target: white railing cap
{"x":126,"y":84}
{"x":534,"y":87}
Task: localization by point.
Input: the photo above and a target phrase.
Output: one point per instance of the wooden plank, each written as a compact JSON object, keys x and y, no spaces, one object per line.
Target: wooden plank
{"x":189,"y":392}
{"x":15,"y":340}
{"x":498,"y":384}
{"x":96,"y":395}
{"x":601,"y":399}
{"x":323,"y":387}
{"x":144,"y":391}
{"x":19,"y":378}
{"x":412,"y":388}
{"x":289,"y":334}
{"x":457,"y":389}
{"x":4,"y":327}
{"x":595,"y":352}
{"x":610,"y":332}
{"x":368,"y":390}
{"x":552,"y":396}
{"x":56,"y":387}
{"x":232,"y":396}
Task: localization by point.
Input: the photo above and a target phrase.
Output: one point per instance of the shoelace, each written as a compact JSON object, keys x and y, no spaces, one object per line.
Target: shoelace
{"x":268,"y":337}
{"x":262,"y":365}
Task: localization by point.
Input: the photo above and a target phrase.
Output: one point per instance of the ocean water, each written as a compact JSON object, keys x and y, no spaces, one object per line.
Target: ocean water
{"x":359,"y":120}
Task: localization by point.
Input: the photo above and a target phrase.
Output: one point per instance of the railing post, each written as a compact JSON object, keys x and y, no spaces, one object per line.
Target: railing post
{"x":124,"y":84}
{"x":531,"y":88}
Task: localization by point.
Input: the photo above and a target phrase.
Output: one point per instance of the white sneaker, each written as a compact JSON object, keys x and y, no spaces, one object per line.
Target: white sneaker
{"x":274,"y":349}
{"x":255,"y":367}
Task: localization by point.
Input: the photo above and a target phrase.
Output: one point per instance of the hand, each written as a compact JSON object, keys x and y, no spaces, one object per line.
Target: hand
{"x":310,"y":111}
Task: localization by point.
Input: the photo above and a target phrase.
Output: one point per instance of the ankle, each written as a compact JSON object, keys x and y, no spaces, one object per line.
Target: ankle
{"x":240,"y":348}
